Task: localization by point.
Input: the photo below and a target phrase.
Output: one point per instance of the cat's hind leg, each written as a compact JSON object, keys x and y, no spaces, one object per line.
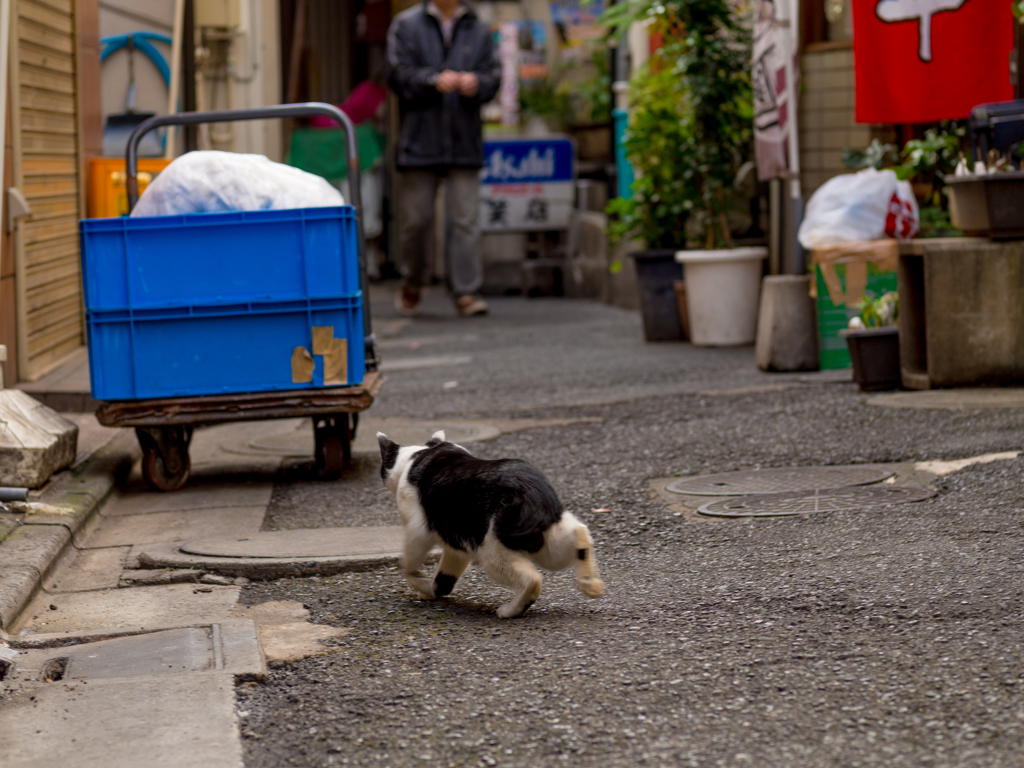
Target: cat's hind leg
{"x":453,"y":564}
{"x":418,"y":544}
{"x":511,"y":569}
{"x":586,"y":566}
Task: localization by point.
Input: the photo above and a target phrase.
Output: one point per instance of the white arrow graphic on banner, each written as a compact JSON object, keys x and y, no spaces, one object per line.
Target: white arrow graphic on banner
{"x":921,"y":10}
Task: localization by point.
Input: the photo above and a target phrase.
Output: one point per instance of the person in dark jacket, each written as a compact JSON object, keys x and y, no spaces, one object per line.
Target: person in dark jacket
{"x":442,"y":66}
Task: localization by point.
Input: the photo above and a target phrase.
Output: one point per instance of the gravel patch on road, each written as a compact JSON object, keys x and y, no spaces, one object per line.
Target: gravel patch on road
{"x":885,"y":636}
{"x":881,"y":637}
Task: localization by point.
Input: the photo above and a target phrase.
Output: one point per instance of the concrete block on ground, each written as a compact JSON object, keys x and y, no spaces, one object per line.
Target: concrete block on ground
{"x":184,"y":721}
{"x":787,"y":332}
{"x":35,"y":441}
{"x":961,"y":313}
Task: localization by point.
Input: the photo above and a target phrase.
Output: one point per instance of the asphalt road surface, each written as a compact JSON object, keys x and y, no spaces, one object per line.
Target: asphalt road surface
{"x":885,"y":636}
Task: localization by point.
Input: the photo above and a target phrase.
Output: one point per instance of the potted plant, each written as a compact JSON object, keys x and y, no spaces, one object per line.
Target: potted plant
{"x":690,"y":132}
{"x":659,"y":208}
{"x":873,"y":339}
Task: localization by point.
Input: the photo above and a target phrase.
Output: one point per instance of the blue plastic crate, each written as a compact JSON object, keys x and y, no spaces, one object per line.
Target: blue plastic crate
{"x":216,"y":303}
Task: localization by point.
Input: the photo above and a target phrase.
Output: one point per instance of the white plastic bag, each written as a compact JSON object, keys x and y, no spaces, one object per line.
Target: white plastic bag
{"x":209,"y":181}
{"x":857,"y":207}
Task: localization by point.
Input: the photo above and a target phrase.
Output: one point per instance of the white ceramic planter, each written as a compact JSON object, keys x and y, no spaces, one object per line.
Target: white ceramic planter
{"x":723,"y":289}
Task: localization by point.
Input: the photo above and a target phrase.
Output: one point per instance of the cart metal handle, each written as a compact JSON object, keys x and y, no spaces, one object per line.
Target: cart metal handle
{"x":308,"y":109}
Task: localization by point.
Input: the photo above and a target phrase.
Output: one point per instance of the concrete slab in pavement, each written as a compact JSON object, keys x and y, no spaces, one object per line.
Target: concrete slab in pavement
{"x":184,"y":721}
{"x":179,"y":525}
{"x":128,"y":609}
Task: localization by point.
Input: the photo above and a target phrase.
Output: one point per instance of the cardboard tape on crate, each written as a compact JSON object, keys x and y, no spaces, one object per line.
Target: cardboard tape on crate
{"x":334,"y":352}
{"x":336,"y":363}
{"x":323,"y":335}
{"x":302,"y":366}
{"x":884,"y":254}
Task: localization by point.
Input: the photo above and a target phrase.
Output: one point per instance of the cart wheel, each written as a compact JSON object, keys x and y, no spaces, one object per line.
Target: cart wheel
{"x":165,"y":462}
{"x":333,"y":445}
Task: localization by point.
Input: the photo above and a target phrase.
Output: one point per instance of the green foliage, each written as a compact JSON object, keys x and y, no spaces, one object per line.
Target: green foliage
{"x":924,"y":161}
{"x":880,"y":312}
{"x":548,"y":98}
{"x":1018,"y":10}
{"x":877,"y":156}
{"x":927,"y":160}
{"x":691,"y":120}
{"x":934,"y":222}
{"x":593,"y":96}
{"x":657,"y":143}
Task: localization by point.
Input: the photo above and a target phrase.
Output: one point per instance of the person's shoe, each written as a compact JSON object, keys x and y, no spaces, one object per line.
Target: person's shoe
{"x":469,"y":305}
{"x":407,"y":301}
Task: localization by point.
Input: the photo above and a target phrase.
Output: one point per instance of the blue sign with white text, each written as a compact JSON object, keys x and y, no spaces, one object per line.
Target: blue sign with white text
{"x":527,"y":161}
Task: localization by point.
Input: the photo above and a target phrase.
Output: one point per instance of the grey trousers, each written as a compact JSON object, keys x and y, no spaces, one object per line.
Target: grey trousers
{"x":416,"y":227}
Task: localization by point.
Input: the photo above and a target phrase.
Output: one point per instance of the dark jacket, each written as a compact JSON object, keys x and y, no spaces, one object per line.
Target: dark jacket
{"x":440,"y":129}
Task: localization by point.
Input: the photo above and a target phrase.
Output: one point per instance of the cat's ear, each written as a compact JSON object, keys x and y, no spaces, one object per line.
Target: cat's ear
{"x":439,"y":436}
{"x":388,"y":451}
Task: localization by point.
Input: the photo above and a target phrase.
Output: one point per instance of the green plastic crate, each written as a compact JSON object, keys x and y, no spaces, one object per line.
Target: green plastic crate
{"x":832,"y":351}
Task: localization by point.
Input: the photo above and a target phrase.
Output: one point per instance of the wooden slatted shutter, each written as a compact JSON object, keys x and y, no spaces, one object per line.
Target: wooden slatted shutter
{"x":44,"y":103}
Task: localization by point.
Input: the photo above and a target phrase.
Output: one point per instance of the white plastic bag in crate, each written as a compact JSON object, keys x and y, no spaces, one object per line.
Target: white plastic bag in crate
{"x":856,"y":207}
{"x":210,"y":181}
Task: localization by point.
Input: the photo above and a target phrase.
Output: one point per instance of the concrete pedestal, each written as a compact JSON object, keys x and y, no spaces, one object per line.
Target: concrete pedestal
{"x":787,"y":335}
{"x":35,"y":441}
{"x":961,"y":312}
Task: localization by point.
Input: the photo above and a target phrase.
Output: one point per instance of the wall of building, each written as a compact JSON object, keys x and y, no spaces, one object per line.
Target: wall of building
{"x":250,"y":75}
{"x":826,"y":118}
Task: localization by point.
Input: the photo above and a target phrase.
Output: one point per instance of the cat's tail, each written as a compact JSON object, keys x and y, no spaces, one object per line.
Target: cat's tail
{"x":586,"y":565}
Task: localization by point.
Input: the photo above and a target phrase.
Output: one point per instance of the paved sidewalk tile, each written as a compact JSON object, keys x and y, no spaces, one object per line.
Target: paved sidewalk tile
{"x":128,"y":609}
{"x":84,"y":570}
{"x":174,"y":526}
{"x":186,"y":721}
{"x":198,"y":496}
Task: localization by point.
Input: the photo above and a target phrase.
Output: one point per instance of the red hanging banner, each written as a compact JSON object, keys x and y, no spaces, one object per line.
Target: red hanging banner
{"x":917,"y":61}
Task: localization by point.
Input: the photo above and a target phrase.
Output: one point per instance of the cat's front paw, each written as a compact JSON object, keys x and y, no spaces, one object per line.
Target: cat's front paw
{"x":423,"y":587}
{"x":511,"y":609}
{"x":591,"y":587}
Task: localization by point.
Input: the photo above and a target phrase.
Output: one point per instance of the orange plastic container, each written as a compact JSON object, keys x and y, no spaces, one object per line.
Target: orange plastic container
{"x":107,"y":194}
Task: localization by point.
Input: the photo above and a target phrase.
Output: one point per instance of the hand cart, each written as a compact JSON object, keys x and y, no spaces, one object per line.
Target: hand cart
{"x":164,"y":426}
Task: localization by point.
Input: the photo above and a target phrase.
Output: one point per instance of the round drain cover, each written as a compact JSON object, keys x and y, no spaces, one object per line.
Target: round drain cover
{"x":777,"y":480}
{"x":805,"y":502}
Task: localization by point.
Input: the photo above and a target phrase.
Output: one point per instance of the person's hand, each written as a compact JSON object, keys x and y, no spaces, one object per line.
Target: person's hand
{"x":448,"y":81}
{"x":468,"y":83}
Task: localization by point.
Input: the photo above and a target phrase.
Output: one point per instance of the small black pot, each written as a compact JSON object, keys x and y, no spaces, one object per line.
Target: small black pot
{"x":656,"y":274}
{"x":875,"y":354}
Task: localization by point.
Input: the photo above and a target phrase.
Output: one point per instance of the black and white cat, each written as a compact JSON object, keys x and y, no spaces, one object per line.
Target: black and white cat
{"x":502,"y":514}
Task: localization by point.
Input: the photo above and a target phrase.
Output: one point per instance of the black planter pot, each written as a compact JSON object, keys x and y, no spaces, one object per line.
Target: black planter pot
{"x":875,"y":354}
{"x":656,"y":274}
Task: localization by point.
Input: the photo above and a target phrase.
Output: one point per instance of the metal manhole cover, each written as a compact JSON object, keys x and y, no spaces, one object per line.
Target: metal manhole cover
{"x":784,"y":479}
{"x":806,"y":502}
